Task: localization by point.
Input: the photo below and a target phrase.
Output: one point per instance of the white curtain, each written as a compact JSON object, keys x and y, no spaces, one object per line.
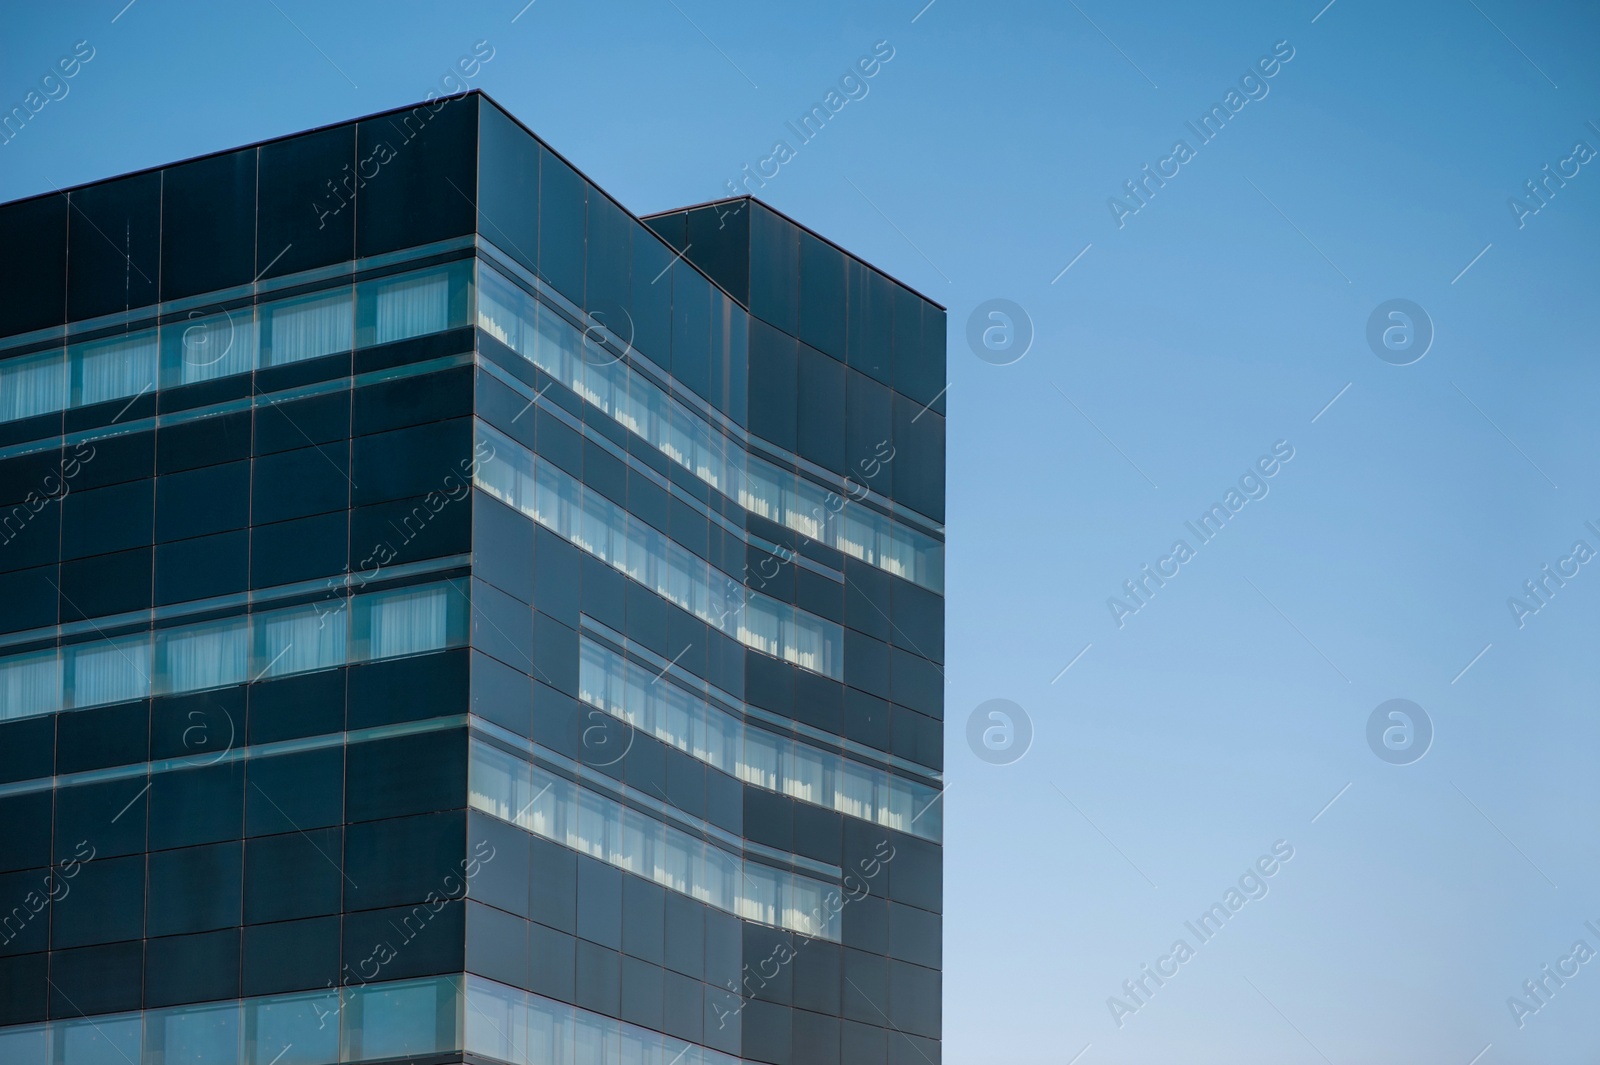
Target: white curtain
{"x":405,"y":623}
{"x":114,"y":369}
{"x":203,"y":656}
{"x":32,"y":384}
{"x":29,"y":685}
{"x":110,"y":671}
{"x":412,"y":306}
{"x":217,"y":345}
{"x":308,"y":328}
{"x":304,"y":639}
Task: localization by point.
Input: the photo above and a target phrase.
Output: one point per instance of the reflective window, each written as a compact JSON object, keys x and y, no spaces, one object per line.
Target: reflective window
{"x":273,"y":643}
{"x":506,"y":1024}
{"x":652,"y":703}
{"x":204,"y":347}
{"x":112,"y":368}
{"x":560,"y":502}
{"x":504,"y":786}
{"x":556,"y":346}
{"x":32,"y":384}
{"x":405,"y":1018}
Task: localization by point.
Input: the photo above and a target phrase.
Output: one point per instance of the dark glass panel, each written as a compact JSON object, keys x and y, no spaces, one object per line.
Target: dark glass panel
{"x":95,"y":980}
{"x":599,"y":902}
{"x":870,"y":339}
{"x":292,"y":424}
{"x":774,"y":269}
{"x":406,"y":689}
{"x":405,"y":942}
{"x":307,"y":705}
{"x":416,"y":175}
{"x":652,"y":299}
{"x":409,"y":462}
{"x":203,"y":567}
{"x":720,"y":235}
{"x":195,"y":889}
{"x":203,"y":442}
{"x":402,"y":860}
{"x":773,"y":383}
{"x":106,"y":519}
{"x":195,"y":806}
{"x":105,"y":904}
{"x":30,"y":597}
{"x":497,"y":945}
{"x":599,"y":985}
{"x":208,"y":499}
{"x":92,"y":820}
{"x":919,"y":458}
{"x":642,"y":992}
{"x":610,"y":260}
{"x":197,"y":726}
{"x":405,"y":775}
{"x":822,"y":295}
{"x":821,"y":407}
{"x":290,"y":551}
{"x":562,"y":195}
{"x":691,"y":329}
{"x":103,"y":736}
{"x":307,"y":201}
{"x":27,"y":749}
{"x":297,"y":874}
{"x":106,"y":584}
{"x":200,"y":968}
{"x":35,"y":283}
{"x":508,"y":186}
{"x":295,"y":484}
{"x":114,"y":246}
{"x":208,"y":225}
{"x":294,"y":792}
{"x":291,"y":956}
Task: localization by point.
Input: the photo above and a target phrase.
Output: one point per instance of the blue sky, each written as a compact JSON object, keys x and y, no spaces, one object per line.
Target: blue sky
{"x":1180,"y":347}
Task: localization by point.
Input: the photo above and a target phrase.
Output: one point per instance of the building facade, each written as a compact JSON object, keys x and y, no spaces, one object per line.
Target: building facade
{"x":445,"y":617}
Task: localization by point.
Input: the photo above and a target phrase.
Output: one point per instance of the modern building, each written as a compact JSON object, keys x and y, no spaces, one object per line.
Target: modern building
{"x":445,"y":617}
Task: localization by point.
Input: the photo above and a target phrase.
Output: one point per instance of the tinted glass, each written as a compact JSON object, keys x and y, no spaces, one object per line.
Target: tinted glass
{"x":822,"y":296}
{"x":307,"y":215}
{"x":774,"y":270}
{"x":416,"y":175}
{"x":508,"y":187}
{"x":35,"y":284}
{"x":208,"y":225}
{"x":821,"y":407}
{"x":114,"y":246}
{"x":562,"y":194}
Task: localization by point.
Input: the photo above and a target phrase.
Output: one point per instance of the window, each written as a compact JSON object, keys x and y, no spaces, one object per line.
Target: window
{"x":557,"y":347}
{"x":32,"y":384}
{"x":212,"y":654}
{"x":30,"y":684}
{"x":114,"y":368}
{"x":109,"y":671}
{"x":196,"y":657}
{"x":207,"y":347}
{"x":561,"y":503}
{"x":306,"y":328}
{"x":602,"y":827}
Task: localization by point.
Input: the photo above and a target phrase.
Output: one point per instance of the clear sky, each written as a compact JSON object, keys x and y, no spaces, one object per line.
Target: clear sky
{"x":1187,"y":340}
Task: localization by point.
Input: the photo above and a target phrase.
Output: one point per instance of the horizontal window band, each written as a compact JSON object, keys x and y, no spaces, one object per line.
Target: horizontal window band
{"x":604,"y":635}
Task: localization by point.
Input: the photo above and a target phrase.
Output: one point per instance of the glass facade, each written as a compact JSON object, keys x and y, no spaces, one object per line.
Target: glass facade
{"x":462,"y":618}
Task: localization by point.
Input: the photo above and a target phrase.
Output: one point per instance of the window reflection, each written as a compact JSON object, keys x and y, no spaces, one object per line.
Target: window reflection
{"x":554,"y":808}
{"x":560,"y":502}
{"x":207,"y":345}
{"x":559,"y":348}
{"x":652,"y":703}
{"x":213,"y":654}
